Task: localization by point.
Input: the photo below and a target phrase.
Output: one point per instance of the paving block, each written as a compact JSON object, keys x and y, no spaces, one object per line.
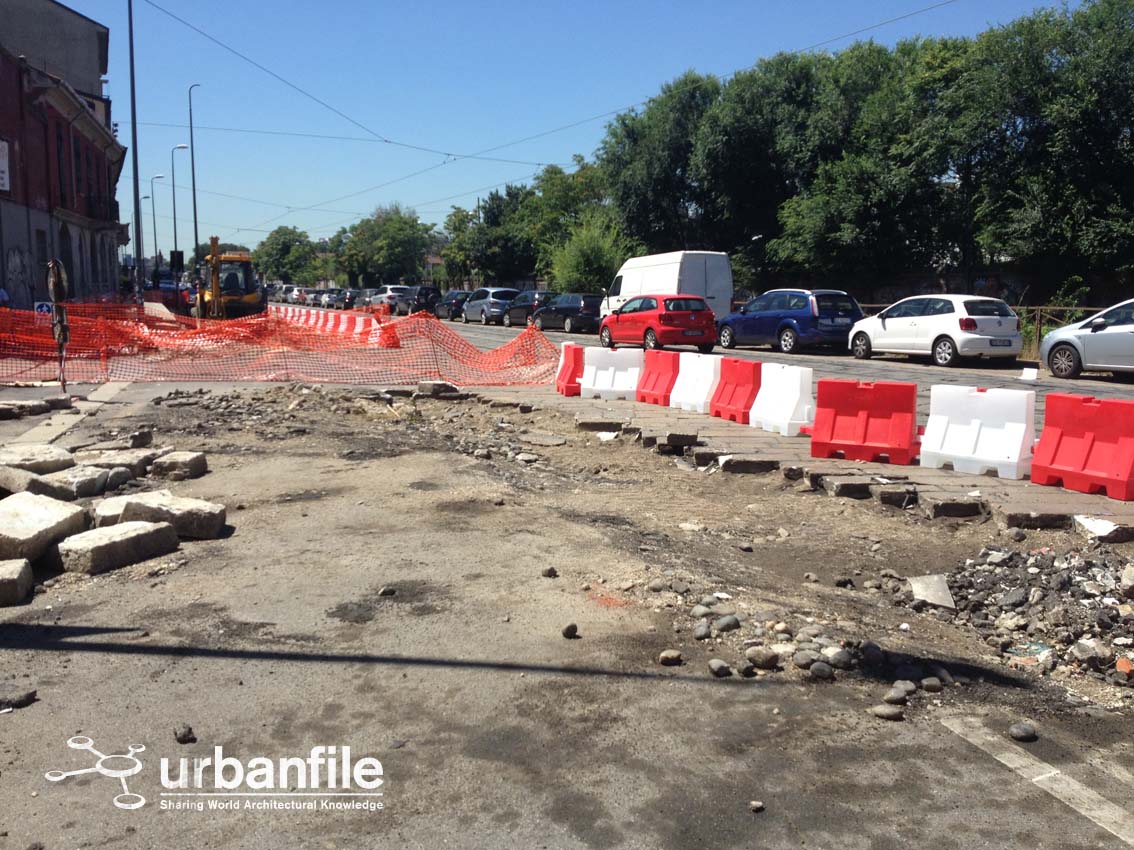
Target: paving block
{"x":79,"y":482}
{"x":847,"y":486}
{"x":747,"y":464}
{"x":136,"y":460}
{"x":191,"y":518}
{"x":674,"y":438}
{"x":1106,"y":529}
{"x":36,"y":458}
{"x":109,"y":548}
{"x":937,"y":504}
{"x":13,"y":480}
{"x":16,"y":581}
{"x":30,"y":523}
{"x":588,"y":423}
{"x":895,"y":495}
{"x":188,"y":464}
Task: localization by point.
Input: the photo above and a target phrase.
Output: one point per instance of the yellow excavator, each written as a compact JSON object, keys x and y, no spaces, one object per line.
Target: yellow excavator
{"x":231,"y":291}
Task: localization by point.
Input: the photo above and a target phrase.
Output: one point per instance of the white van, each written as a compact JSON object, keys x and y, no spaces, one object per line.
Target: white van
{"x":705,"y":273}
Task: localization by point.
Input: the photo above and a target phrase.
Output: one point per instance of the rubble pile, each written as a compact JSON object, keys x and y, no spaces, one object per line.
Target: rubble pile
{"x":1071,"y":612}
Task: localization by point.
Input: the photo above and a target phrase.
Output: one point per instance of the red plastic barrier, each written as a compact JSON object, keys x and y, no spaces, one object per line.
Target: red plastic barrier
{"x":736,"y":390}
{"x":570,"y":370}
{"x":658,"y":377}
{"x":866,"y":421}
{"x":1087,"y":444}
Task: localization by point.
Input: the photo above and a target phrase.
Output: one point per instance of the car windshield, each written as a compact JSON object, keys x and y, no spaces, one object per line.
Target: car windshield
{"x":504,"y":294}
{"x":592,"y":302}
{"x":988,"y":308}
{"x":397,"y":290}
{"x":836,"y":304}
{"x":687,"y":305}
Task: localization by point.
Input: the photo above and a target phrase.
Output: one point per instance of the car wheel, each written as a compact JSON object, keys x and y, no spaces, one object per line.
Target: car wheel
{"x":604,"y":338}
{"x":944,"y":351}
{"x":1065,"y":362}
{"x":539,"y":323}
{"x":464,"y":318}
{"x":707,"y":348}
{"x":789,"y":341}
{"x":483,"y":318}
{"x":651,"y":341}
{"x":860,"y":346}
{"x":507,"y":320}
{"x":727,"y":338}
{"x":567,"y":326}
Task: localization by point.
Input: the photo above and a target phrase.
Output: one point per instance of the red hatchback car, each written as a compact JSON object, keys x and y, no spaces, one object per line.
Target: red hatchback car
{"x":654,"y":321}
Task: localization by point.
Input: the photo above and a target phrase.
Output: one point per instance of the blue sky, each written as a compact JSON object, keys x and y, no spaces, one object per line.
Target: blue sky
{"x":456,"y":77}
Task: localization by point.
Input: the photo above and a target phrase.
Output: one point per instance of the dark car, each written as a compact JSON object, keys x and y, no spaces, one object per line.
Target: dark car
{"x":572,"y":311}
{"x":450,"y":306}
{"x":521,"y":308}
{"x":416,"y":298}
{"x":347,"y":299}
{"x":791,"y":319}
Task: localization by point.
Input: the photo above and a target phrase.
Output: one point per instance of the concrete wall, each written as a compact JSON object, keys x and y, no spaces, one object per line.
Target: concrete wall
{"x":57,"y":40}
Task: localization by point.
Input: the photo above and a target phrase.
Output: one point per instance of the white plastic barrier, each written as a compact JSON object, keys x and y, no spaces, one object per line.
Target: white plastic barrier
{"x":980,"y":430}
{"x":610,"y":374}
{"x":697,"y":378}
{"x":786,"y":401}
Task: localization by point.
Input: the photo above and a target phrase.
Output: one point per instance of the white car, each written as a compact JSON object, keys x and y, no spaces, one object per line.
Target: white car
{"x":945,"y":327}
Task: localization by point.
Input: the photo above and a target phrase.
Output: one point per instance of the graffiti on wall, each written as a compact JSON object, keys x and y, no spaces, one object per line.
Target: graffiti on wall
{"x":18,"y":277}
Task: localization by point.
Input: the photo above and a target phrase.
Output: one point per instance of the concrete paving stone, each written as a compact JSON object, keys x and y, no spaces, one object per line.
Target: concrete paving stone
{"x":936,"y":504}
{"x":13,"y":480}
{"x":80,"y":482}
{"x":895,"y":495}
{"x":37,"y":458}
{"x":136,"y":460}
{"x":103,"y":549}
{"x":30,"y":523}
{"x":847,"y":486}
{"x":16,"y":580}
{"x":31,"y":407}
{"x":188,"y":464}
{"x":8,"y":411}
{"x":748,"y":464}
{"x":192,"y":518}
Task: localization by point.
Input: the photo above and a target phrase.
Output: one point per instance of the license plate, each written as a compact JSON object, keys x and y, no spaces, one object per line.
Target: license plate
{"x":1000,"y":343}
{"x":841,"y":321}
{"x":694,"y":333}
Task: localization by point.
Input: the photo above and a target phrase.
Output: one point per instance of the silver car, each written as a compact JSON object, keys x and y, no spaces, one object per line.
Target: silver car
{"x":487,"y":305}
{"x":1102,"y":343}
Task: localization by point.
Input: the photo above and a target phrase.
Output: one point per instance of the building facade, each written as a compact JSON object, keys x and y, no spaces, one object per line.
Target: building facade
{"x":59,"y":156}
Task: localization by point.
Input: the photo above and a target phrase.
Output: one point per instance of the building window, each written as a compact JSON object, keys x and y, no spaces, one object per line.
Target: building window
{"x":61,"y":165}
{"x":90,"y":184}
{"x":78,"y":172}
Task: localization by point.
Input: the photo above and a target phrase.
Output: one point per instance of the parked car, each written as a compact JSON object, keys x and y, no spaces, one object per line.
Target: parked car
{"x":283,"y":294}
{"x":387,"y":294}
{"x":791,"y":319}
{"x":572,"y":311}
{"x":364,"y":300}
{"x":346,"y":299}
{"x":451,"y":304}
{"x":945,"y":327}
{"x":704,"y":273}
{"x":416,"y":298}
{"x":1102,"y":343}
{"x":521,"y":308}
{"x":327,"y":297}
{"x":487,"y":304}
{"x":308,"y":297}
{"x":654,"y":321}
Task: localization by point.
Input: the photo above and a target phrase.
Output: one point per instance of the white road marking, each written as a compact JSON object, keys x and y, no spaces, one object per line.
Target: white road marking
{"x":1114,"y":819}
{"x":60,"y":423}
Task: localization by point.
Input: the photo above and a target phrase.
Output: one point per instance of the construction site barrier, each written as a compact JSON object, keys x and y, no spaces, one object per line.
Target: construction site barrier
{"x":1087,"y":445}
{"x":866,"y":421}
{"x":977,"y":430}
{"x":696,"y":382}
{"x":786,"y":401}
{"x":610,"y":373}
{"x":736,"y":390}
{"x":570,"y":369}
{"x":658,"y":376}
{"x":126,"y":342}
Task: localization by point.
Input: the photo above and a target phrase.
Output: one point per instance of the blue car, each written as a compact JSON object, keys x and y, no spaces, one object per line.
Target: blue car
{"x":791,"y":319}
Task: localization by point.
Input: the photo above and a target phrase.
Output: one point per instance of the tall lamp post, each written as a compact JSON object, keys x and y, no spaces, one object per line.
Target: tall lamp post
{"x":134,"y":225}
{"x":193,"y":171}
{"x":139,"y":249}
{"x":173,"y":187}
{"x":153,"y":213}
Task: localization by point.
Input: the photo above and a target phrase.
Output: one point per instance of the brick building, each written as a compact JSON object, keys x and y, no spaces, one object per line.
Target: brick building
{"x":59,"y":157}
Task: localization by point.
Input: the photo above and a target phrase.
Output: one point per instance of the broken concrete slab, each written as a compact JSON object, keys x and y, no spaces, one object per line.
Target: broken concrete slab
{"x":15,"y":696}
{"x":30,"y":523}
{"x":30,"y":407}
{"x":747,"y":464}
{"x":79,"y":482}
{"x":1113,"y":529}
{"x":16,"y":581}
{"x":848,"y":486}
{"x":184,"y":464}
{"x":103,"y":549}
{"x":680,"y":439}
{"x":589,"y":423}
{"x":937,"y":504}
{"x":191,"y":518}
{"x":537,"y":438}
{"x":37,"y":458}
{"x":933,"y":589}
{"x":895,"y":495}
{"x":135,"y":460}
{"x":436,"y":388}
{"x":14,"y":480}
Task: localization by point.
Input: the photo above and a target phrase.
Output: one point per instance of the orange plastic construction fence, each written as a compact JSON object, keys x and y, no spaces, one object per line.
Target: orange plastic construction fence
{"x":123,"y":342}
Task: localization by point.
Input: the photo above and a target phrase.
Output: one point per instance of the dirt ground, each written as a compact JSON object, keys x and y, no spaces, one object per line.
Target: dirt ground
{"x":492,"y":728}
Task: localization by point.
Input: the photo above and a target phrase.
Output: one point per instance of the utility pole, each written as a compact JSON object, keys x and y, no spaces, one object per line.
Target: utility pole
{"x":193,"y":170}
{"x":139,"y":250}
{"x":173,"y":187}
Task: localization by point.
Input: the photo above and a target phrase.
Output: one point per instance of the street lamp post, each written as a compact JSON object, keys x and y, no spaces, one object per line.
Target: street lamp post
{"x":193,"y":170}
{"x":139,"y":249}
{"x":173,"y":187}
{"x":153,"y":213}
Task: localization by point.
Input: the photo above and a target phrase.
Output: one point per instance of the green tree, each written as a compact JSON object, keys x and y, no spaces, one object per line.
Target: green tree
{"x":589,"y":258}
{"x":202,"y":250}
{"x":386,"y":247}
{"x":286,"y":254}
{"x":459,"y":251}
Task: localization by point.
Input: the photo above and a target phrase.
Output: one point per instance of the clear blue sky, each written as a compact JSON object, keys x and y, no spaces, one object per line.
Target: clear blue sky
{"x":459,"y":77}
